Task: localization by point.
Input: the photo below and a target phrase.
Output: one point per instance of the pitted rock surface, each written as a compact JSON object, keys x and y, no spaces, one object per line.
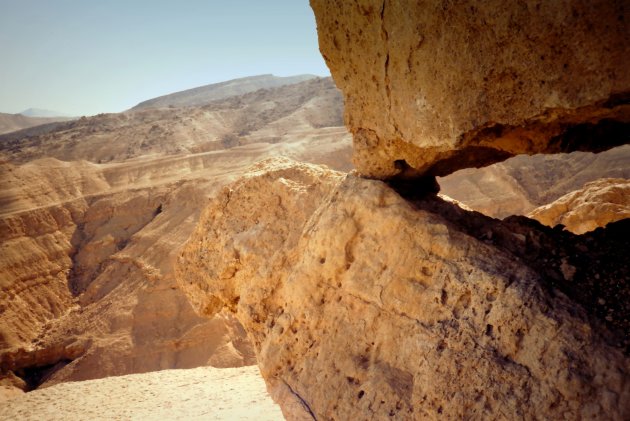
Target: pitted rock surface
{"x":431,"y":87}
{"x":362,"y":304}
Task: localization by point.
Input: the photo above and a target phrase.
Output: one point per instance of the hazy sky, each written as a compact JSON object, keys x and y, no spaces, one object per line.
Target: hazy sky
{"x":83,"y":57}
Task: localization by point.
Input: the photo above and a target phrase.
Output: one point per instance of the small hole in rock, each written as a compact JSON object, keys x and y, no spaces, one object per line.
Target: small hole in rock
{"x":444,"y":297}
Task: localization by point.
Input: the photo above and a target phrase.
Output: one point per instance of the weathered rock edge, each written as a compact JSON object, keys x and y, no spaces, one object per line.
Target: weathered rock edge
{"x":595,"y":205}
{"x":365,"y":305}
{"x":431,"y":87}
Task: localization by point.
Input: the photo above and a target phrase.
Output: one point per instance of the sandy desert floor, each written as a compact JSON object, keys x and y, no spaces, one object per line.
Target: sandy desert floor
{"x":204,"y":393}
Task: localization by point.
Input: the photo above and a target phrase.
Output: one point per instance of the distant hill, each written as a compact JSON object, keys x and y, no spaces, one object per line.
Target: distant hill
{"x":205,"y":94}
{"x":13,"y":122}
{"x":522,"y":183}
{"x":301,"y":113}
{"x":40,"y":112}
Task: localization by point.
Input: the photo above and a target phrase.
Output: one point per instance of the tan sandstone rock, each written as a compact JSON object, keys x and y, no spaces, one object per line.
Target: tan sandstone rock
{"x":431,"y":87}
{"x":363,"y":305}
{"x":595,"y":205}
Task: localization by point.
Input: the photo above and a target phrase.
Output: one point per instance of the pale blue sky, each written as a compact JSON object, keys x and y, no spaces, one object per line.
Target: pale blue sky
{"x":83,"y":57}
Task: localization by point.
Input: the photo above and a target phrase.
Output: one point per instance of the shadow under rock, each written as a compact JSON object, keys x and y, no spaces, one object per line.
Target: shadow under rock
{"x":591,"y":269}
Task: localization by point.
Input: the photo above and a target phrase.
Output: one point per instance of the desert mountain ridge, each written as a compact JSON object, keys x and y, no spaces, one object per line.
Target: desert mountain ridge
{"x":187,"y":98}
{"x":41,"y":112}
{"x":14,"y":122}
{"x":205,"y":94}
{"x":93,"y":210}
{"x":262,"y":116}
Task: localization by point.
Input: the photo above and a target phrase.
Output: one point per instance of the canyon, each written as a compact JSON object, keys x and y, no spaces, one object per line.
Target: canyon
{"x":91,"y":222}
{"x":287,"y":223}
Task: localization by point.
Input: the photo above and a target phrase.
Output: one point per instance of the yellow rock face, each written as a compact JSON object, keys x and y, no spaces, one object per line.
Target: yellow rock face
{"x":595,"y":205}
{"x":432,"y":87}
{"x":365,"y":305}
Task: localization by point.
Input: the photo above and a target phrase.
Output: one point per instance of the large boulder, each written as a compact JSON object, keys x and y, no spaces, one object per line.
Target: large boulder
{"x":362,"y":304}
{"x":431,"y":86}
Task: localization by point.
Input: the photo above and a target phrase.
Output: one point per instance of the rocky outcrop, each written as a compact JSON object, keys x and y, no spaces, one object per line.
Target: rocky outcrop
{"x":206,"y":94}
{"x":432,"y":87}
{"x":33,"y":367}
{"x":283,"y":115}
{"x":595,"y":205}
{"x":363,"y":304}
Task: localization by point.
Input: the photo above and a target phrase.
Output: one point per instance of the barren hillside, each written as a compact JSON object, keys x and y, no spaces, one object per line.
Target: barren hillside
{"x":279,"y":115}
{"x":523,"y":183}
{"x":13,"y":122}
{"x":209,"y":93}
{"x":94,"y":211}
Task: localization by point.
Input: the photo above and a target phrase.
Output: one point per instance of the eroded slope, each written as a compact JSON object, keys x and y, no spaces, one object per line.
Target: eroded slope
{"x":519,"y":185}
{"x":279,"y":115}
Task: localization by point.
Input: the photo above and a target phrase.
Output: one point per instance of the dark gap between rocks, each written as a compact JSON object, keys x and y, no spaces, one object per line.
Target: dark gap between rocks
{"x":35,"y":376}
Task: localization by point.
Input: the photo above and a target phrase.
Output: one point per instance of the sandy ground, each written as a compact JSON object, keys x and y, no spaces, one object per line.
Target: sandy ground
{"x":203,"y":393}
